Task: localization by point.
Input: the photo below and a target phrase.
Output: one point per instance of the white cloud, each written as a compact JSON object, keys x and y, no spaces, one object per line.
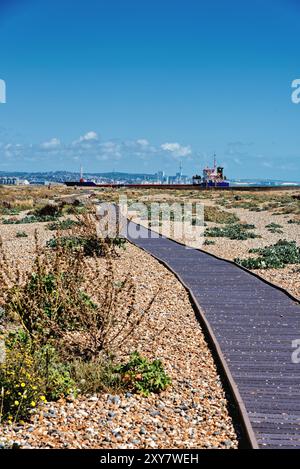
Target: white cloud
{"x":53,"y":143}
{"x":90,"y":149}
{"x":176,"y":149}
{"x":91,"y":135}
{"x":143,"y":142}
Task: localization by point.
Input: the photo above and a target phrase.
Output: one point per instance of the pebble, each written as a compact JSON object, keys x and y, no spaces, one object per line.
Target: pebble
{"x":154,"y":413}
{"x":109,"y":421}
{"x":93,"y":399}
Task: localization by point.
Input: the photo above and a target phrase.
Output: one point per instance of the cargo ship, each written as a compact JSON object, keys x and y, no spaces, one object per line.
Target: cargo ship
{"x":211,"y":177}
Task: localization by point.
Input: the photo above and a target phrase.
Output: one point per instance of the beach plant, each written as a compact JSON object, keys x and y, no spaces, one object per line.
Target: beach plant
{"x":31,"y":375}
{"x":208,"y":242}
{"x":275,"y":256}
{"x":69,"y":316}
{"x":83,"y":235}
{"x":21,"y":234}
{"x":48,"y":210}
{"x":91,"y":246}
{"x":237,"y":231}
{"x":213,"y":214}
{"x":21,"y":387}
{"x":73,"y":302}
{"x":29,"y":219}
{"x":142,"y":375}
{"x":56,"y":375}
{"x":62,"y":225}
{"x":294,"y":221}
{"x":274,"y":228}
{"x":9,"y":211}
{"x":97,"y":375}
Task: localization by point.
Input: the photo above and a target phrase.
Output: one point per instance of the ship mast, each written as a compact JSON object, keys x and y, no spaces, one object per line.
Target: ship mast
{"x":81,"y":174}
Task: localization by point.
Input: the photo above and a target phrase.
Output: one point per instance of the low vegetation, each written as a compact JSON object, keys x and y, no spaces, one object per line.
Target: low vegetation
{"x":21,"y":234}
{"x":232,"y":231}
{"x":62,"y":225}
{"x":213,"y":214}
{"x":275,"y":256}
{"x":208,"y":242}
{"x":66,"y":320}
{"x":83,"y":235}
{"x":143,"y":376}
{"x":274,"y":228}
{"x":294,"y":221}
{"x":45,"y":213}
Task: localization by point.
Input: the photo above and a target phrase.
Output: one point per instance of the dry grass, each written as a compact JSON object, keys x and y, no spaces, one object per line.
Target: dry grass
{"x":70,"y":299}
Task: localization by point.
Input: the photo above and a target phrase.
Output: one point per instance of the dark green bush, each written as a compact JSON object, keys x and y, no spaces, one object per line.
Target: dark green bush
{"x":208,"y":242}
{"x":53,"y":211}
{"x":143,"y":376}
{"x":274,"y":228}
{"x":92,"y":245}
{"x":273,"y":257}
{"x":9,"y":211}
{"x":235,"y":231}
{"x":29,"y":219}
{"x":21,"y":234}
{"x":62,"y":225}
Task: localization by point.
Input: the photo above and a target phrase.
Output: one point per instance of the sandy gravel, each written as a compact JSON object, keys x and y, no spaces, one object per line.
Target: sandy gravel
{"x":193,"y":413}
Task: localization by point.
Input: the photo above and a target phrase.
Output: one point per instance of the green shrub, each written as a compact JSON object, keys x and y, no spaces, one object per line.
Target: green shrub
{"x":235,"y":231}
{"x":21,"y":234}
{"x":21,"y":386}
{"x":62,"y":225}
{"x":9,"y":211}
{"x":143,"y":376}
{"x":31,"y":375}
{"x":56,"y":375}
{"x":65,"y":300}
{"x":48,"y":303}
{"x":29,"y":219}
{"x":273,"y":257}
{"x":92,"y":245}
{"x":74,"y":209}
{"x":274,"y":228}
{"x":208,"y":242}
{"x":96,"y":376}
{"x":53,"y":211}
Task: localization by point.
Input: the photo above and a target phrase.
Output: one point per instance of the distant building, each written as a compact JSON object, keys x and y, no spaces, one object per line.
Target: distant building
{"x":9,"y":181}
{"x":160,"y":177}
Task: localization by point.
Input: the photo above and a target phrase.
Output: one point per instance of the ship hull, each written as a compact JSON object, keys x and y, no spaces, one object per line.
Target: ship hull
{"x":148,"y":186}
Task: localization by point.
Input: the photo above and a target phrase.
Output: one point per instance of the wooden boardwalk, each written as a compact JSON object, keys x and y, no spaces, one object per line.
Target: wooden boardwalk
{"x":254,"y":324}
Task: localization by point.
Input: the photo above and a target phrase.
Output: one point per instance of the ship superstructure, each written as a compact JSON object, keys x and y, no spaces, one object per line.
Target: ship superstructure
{"x":211,"y":176}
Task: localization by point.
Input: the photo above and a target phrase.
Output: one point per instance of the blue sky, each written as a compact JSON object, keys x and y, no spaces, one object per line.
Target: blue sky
{"x":139,"y":86}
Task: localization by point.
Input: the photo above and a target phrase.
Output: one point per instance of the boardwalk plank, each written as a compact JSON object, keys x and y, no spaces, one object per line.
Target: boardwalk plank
{"x":255,"y":324}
